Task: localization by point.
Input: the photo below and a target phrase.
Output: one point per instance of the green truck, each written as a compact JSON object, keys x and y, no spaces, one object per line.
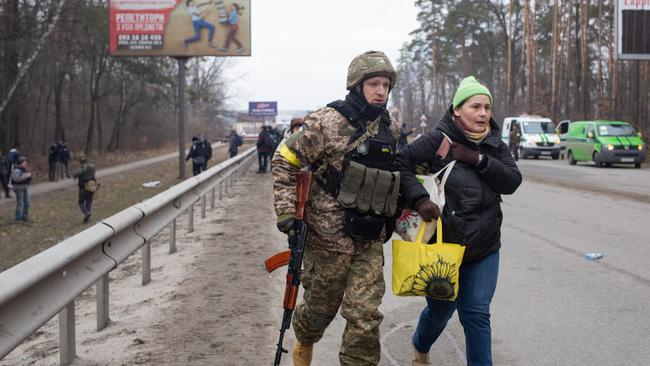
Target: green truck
{"x":605,"y":143}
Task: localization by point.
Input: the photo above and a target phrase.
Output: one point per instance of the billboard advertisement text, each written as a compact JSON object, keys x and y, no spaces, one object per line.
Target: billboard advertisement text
{"x":181,"y":28}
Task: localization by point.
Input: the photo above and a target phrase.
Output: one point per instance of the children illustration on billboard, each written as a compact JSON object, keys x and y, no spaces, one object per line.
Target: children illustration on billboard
{"x":179,"y":27}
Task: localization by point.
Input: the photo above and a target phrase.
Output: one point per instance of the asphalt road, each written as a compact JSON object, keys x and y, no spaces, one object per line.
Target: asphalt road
{"x":552,"y":306}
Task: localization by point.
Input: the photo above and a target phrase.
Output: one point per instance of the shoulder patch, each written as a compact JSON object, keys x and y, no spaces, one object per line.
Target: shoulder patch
{"x":294,"y":136}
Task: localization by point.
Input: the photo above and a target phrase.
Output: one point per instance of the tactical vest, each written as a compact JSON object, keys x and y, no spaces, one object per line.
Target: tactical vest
{"x":368,"y":185}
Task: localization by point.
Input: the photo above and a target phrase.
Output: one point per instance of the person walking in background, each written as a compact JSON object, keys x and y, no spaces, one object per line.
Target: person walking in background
{"x":52,"y":160}
{"x":472,"y":215}
{"x":198,"y":153}
{"x":514,"y":140}
{"x":233,"y":20}
{"x":14,"y":154}
{"x":234,"y":142}
{"x":21,"y":177}
{"x":208,"y":152}
{"x":344,"y":252}
{"x":198,"y":22}
{"x":294,"y":126}
{"x":265,"y":147}
{"x":87,"y":184}
{"x":403,"y":134}
{"x":5,"y":172}
{"x":64,"y":159}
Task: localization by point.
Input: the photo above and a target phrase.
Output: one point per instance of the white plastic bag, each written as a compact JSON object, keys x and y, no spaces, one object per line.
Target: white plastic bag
{"x":408,"y":224}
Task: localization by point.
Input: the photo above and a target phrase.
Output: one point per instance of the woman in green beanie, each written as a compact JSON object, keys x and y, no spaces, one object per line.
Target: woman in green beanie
{"x":472,"y":216}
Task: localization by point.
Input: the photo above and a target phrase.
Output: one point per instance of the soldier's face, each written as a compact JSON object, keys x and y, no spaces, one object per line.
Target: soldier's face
{"x":376,"y":90}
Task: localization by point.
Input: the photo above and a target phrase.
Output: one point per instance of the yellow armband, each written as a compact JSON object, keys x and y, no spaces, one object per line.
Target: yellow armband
{"x":291,"y":157}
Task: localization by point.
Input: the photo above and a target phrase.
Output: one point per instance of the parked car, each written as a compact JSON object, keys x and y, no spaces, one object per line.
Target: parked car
{"x":605,"y":143}
{"x":537,"y":136}
{"x":561,"y":131}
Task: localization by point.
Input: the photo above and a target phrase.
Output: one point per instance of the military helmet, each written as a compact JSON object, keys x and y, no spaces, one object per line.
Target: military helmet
{"x":370,"y":64}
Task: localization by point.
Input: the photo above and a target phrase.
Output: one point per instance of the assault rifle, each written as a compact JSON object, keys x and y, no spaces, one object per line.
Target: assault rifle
{"x":293,"y":258}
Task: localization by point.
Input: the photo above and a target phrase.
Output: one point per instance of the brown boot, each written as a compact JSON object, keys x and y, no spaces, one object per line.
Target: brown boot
{"x":420,"y":359}
{"x":302,"y":354}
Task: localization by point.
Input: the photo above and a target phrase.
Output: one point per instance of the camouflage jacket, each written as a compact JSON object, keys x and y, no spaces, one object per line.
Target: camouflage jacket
{"x":322,"y":139}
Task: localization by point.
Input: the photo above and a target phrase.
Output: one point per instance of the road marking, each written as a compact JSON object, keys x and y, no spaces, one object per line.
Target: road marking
{"x":413,"y":323}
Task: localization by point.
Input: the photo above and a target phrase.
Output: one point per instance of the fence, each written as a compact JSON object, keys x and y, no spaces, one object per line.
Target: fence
{"x":34,"y":291}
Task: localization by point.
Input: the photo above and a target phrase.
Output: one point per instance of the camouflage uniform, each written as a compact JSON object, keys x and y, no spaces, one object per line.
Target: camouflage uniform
{"x":337,"y":271}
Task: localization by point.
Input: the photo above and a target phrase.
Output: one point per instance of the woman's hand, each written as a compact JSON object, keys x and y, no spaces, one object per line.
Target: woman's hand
{"x":427,"y":210}
{"x":465,"y":154}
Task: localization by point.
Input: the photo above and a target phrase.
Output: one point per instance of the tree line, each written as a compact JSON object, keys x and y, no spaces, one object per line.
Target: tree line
{"x":555,"y":58}
{"x":59,"y":83}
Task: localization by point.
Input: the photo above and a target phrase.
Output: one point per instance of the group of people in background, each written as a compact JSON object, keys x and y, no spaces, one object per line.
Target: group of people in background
{"x":58,"y":155}
{"x":15,"y":174}
{"x":270,"y":138}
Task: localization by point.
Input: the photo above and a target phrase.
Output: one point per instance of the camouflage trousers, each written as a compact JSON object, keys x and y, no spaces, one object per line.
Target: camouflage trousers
{"x":353,"y":283}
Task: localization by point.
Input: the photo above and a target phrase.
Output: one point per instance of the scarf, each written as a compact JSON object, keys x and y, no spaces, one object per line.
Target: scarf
{"x":475,"y":137}
{"x":365,"y":110}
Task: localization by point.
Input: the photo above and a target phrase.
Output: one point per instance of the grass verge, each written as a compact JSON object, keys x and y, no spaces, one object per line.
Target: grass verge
{"x":56,"y":216}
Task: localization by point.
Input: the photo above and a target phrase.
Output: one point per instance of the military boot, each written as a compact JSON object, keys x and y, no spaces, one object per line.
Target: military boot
{"x":420,"y":359}
{"x":302,"y":354}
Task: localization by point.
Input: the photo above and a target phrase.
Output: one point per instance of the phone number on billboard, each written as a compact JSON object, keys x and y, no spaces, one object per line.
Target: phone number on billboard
{"x":139,"y":41}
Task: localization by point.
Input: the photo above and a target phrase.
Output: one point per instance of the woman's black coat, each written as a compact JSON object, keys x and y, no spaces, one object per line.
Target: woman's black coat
{"x":472,"y":213}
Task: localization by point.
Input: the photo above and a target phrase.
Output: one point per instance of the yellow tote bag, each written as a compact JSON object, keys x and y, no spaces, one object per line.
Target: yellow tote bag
{"x":421,"y":269}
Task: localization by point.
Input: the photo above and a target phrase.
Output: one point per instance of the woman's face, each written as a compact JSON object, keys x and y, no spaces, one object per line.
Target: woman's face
{"x":376,"y":90}
{"x":475,"y":112}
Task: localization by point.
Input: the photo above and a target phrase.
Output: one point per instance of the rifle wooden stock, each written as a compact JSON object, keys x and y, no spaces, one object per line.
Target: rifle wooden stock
{"x":277,"y":260}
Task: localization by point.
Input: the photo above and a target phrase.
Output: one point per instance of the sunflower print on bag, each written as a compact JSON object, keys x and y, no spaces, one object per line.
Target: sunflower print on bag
{"x":434,"y":280}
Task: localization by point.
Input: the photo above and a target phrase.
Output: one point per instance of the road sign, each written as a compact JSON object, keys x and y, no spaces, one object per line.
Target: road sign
{"x":633,"y":29}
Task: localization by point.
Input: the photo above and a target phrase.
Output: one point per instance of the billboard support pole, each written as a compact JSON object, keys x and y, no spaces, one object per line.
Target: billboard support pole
{"x":181,"y":117}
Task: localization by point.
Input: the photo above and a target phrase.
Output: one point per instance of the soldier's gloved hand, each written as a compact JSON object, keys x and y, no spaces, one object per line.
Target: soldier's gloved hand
{"x":465,"y":154}
{"x":285,"y":223}
{"x":427,"y":210}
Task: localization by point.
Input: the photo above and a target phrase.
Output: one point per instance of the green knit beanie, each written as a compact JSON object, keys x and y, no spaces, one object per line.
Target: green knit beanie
{"x":469,"y":87}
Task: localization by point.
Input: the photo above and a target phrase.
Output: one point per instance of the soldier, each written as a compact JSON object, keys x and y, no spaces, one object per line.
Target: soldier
{"x":343,"y":259}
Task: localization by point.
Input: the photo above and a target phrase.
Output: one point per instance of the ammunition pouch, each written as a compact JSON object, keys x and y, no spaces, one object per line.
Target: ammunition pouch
{"x":369,"y":190}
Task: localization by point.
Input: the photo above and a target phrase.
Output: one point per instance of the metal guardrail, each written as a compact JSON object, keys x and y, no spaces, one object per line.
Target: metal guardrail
{"x":35,"y":290}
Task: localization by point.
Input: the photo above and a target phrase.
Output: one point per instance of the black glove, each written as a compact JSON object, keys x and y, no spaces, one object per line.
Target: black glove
{"x":285,"y":223}
{"x":465,"y":154}
{"x":427,"y":210}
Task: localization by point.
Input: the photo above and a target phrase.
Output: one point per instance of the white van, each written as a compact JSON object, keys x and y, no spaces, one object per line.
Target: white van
{"x":537,"y":136}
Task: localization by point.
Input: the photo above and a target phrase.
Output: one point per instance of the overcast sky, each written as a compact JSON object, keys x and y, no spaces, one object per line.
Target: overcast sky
{"x":301,"y":49}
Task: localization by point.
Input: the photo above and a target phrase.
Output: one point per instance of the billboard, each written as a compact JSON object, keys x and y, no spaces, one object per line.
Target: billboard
{"x":181,"y":28}
{"x":633,"y":29}
{"x":263,"y":109}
